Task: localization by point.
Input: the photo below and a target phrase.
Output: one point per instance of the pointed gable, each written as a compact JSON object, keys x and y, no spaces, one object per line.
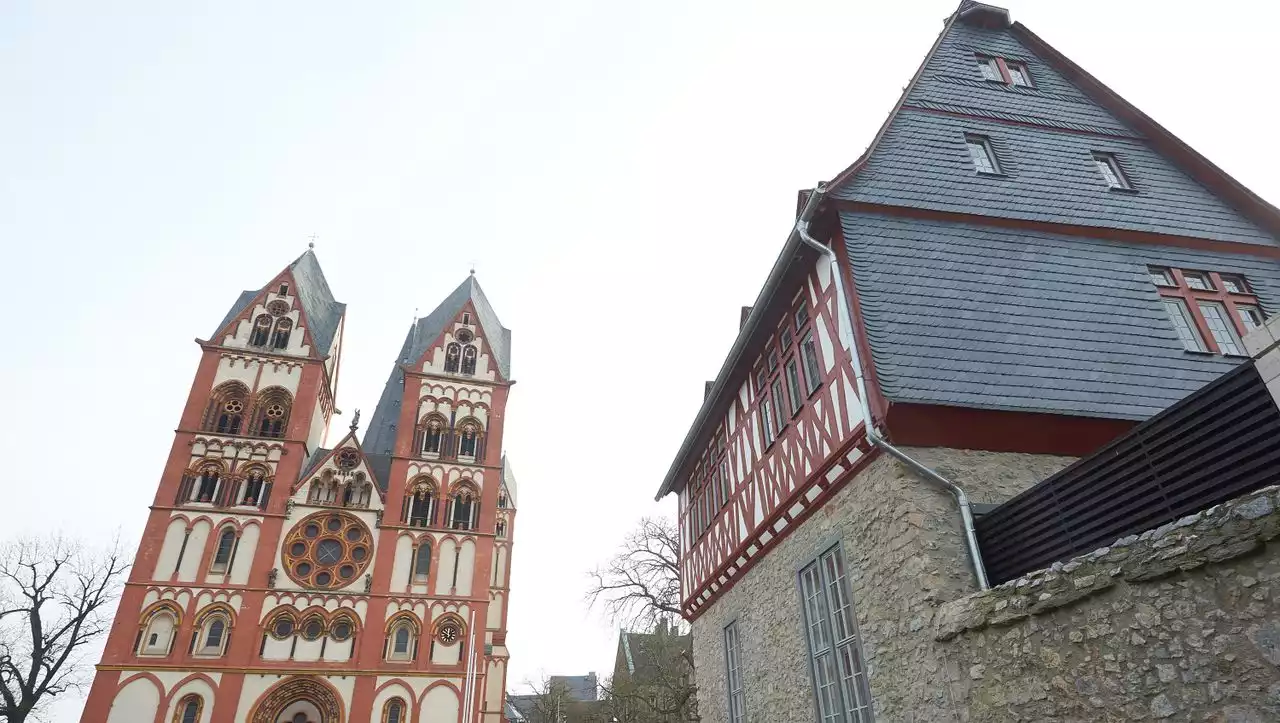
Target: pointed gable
{"x":375,"y":467}
{"x":1043,"y":136}
{"x":425,"y":333}
{"x":321,"y":313}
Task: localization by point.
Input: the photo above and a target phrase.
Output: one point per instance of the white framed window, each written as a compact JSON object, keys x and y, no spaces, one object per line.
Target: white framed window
{"x":1198,"y":280}
{"x":1220,"y":326}
{"x":1251,"y":316}
{"x":1018,"y":74}
{"x":984,"y":157}
{"x":422,"y":563}
{"x":989,"y":68}
{"x":1160,"y":276}
{"x":792,"y":372}
{"x":224,"y":553}
{"x":1234,"y":284}
{"x":1184,"y":325}
{"x":733,"y":672}
{"x":779,"y":405}
{"x":812,"y":368}
{"x":1111,"y":172}
{"x":839,"y":676}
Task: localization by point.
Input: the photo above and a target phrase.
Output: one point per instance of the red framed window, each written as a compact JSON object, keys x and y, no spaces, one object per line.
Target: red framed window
{"x":1003,"y":70}
{"x":1211,"y":312}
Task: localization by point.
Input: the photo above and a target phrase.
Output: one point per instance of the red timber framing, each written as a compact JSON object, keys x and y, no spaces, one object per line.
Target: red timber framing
{"x":748,"y":486}
{"x":1229,"y":292}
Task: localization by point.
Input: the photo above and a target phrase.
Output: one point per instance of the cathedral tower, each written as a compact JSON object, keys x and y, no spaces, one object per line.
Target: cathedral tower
{"x":278,"y":581}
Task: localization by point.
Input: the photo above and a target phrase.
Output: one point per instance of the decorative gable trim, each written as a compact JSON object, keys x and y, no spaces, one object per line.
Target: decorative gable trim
{"x":260,"y":299}
{"x":349,"y":439}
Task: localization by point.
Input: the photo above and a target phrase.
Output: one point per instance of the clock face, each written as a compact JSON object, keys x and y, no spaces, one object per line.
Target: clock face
{"x":327,"y":550}
{"x":448,"y":634}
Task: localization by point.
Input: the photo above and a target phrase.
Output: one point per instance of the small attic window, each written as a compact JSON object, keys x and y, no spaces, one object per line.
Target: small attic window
{"x":1111,"y":172}
{"x":284,"y":290}
{"x":466,"y":318}
{"x":983,"y":155}
{"x":1003,"y":70}
{"x":1018,"y":74}
{"x":990,"y":68}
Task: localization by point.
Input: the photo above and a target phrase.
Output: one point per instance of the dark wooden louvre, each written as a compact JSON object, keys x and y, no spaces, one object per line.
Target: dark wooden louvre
{"x":184,"y":490}
{"x":1218,"y":443}
{"x":264,"y":495}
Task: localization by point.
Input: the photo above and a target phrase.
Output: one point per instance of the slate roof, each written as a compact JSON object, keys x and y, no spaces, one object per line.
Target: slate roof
{"x":578,"y":687}
{"x":922,"y":161}
{"x":380,"y":435}
{"x":1049,"y":323}
{"x":645,"y":652}
{"x":322,"y":311}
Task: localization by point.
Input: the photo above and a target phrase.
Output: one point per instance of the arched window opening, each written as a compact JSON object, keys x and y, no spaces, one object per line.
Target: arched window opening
{"x":157,"y":634}
{"x":212,"y":634}
{"x":502,"y":500}
{"x":224,"y":552}
{"x":342,"y":629}
{"x":271,"y":414}
{"x":282,"y":626}
{"x":394,"y":712}
{"x":188,"y":710}
{"x":422,"y":563}
{"x":432,"y":435}
{"x":468,"y":439}
{"x":469,"y":359}
{"x":452,"y":357}
{"x":402,"y":641}
{"x":465,"y":509}
{"x":226,"y":410}
{"x":422,"y":505}
{"x":207,"y":490}
{"x":253,"y":484}
{"x":501,"y":530}
{"x":261,"y":330}
{"x":280,"y":337}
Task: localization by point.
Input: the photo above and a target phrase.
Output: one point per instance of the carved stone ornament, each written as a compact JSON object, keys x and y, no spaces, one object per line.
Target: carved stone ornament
{"x":368,"y":583}
{"x":290,"y":691}
{"x":288,"y":509}
{"x":271,"y":577}
{"x":377,"y":518}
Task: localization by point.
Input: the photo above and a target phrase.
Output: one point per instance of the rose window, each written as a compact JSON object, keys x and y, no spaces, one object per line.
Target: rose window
{"x":465,"y":335}
{"x":348,"y":458}
{"x":275,"y":411}
{"x":327,"y":550}
{"x":234,"y":406}
{"x":279,"y":307}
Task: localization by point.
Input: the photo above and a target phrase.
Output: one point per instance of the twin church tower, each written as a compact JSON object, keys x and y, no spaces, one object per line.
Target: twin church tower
{"x":279,"y":581}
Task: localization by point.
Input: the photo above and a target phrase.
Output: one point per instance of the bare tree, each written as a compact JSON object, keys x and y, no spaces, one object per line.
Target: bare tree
{"x":54,"y":600}
{"x":660,"y":689}
{"x":640,"y":586}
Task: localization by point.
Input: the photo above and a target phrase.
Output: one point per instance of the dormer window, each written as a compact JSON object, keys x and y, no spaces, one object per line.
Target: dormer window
{"x":466,"y":318}
{"x":284,"y":290}
{"x":1002,"y":70}
{"x":984,"y":157}
{"x":1111,"y":172}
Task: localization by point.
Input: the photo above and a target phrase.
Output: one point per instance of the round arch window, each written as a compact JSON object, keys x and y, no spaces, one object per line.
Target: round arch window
{"x":327,"y":550}
{"x":341,"y":630}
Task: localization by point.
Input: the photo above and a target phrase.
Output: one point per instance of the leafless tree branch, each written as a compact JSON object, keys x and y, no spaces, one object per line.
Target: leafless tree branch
{"x":640,"y":585}
{"x":54,"y":599}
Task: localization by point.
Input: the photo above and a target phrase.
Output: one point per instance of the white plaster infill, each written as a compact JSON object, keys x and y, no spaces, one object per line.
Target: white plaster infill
{"x":1220,"y":533}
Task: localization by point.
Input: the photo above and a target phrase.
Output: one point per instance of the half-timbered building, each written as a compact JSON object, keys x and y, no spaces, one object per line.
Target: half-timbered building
{"x":281,"y":581}
{"x":1021,"y":267}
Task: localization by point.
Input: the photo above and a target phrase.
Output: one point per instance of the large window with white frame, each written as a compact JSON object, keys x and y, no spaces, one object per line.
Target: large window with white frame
{"x":835,"y":650}
{"x":733,"y":673}
{"x":1211,"y":312}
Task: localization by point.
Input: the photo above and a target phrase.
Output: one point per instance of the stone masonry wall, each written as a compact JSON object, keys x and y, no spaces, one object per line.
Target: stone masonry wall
{"x":905,"y":555}
{"x":1179,"y":623}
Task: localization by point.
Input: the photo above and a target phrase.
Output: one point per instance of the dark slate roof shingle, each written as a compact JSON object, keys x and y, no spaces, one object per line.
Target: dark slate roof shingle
{"x":380,"y":435}
{"x":971,"y":315}
{"x":322,"y":311}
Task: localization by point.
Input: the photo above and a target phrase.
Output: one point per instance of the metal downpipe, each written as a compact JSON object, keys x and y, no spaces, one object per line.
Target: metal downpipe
{"x":846,"y":339}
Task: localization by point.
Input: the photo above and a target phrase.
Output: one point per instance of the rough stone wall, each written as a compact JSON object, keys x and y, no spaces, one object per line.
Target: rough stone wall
{"x":1179,"y":623}
{"x":905,"y":556}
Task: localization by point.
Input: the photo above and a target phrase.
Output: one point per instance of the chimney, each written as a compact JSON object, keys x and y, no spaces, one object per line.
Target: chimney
{"x":742,"y":318}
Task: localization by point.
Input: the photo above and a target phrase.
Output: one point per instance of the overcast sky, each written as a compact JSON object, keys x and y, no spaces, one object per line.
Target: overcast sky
{"x":622,"y":175}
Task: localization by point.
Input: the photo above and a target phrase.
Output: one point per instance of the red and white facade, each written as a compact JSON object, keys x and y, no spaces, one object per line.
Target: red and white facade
{"x":281,"y":582}
{"x":779,"y":444}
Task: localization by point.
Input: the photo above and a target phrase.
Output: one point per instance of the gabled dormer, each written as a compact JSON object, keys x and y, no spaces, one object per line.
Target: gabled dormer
{"x":342,"y":477}
{"x":294,"y":315}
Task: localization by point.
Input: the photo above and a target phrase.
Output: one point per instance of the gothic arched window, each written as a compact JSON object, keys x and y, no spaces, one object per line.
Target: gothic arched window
{"x":421,"y":508}
{"x":464,"y":508}
{"x":280,"y":337}
{"x":226,"y":410}
{"x":271,"y":413}
{"x":394,"y":711}
{"x":468,"y":439}
{"x":207,"y":489}
{"x":157,"y":633}
{"x":212,"y":632}
{"x":469,"y":359}
{"x":188,"y":710}
{"x":501,"y":529}
{"x":422,"y":562}
{"x":223,"y":553}
{"x":402,"y":637}
{"x":452,"y":357}
{"x":432,"y":434}
{"x":261,"y":330}
{"x":253,"y":483}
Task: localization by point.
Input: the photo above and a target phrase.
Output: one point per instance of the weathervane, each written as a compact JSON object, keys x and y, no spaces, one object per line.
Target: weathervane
{"x":312,"y":243}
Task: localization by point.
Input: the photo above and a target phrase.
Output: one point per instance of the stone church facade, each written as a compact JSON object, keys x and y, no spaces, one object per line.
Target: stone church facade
{"x":280,"y":581}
